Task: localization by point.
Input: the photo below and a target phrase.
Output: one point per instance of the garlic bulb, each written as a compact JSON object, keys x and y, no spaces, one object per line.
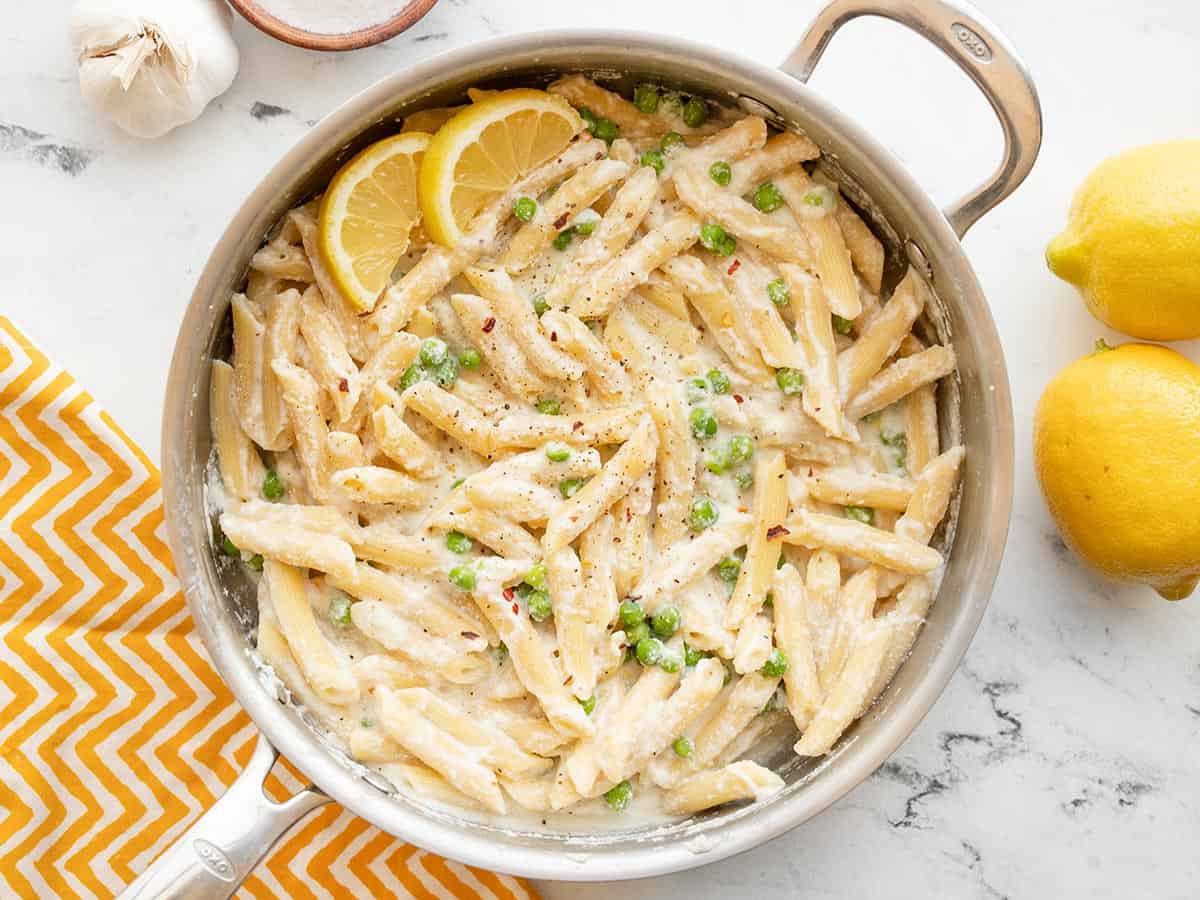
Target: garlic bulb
{"x":151,"y":65}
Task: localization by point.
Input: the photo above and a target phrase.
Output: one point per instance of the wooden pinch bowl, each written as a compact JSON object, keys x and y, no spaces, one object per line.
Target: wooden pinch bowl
{"x":407,"y":16}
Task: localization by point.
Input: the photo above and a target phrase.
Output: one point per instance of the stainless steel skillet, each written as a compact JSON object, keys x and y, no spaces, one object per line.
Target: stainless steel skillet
{"x":221,"y":848}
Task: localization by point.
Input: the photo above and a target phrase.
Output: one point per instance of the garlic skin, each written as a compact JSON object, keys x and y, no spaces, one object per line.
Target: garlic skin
{"x":152,"y":65}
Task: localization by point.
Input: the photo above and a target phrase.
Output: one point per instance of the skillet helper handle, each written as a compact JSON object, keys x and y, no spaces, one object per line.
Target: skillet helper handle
{"x":976,"y":47}
{"x":213,"y":857}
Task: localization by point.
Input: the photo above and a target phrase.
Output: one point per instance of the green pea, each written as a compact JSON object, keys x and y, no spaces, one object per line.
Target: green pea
{"x":729,"y":569}
{"x":650,"y":651}
{"x":525,"y":208}
{"x":339,"y":609}
{"x":703,"y":514}
{"x":272,"y":486}
{"x":469,"y":358}
{"x":227,"y":546}
{"x":255,"y":562}
{"x":606,"y":130}
{"x":778,"y":293}
{"x":462,"y":577}
{"x":589,"y":117}
{"x":741,"y":448}
{"x":703,"y":422}
{"x":670,"y":141}
{"x":457,"y":542}
{"x":411,"y":376}
{"x":536,"y":576}
{"x":433,"y":351}
{"x":727,"y":246}
{"x":819,"y":196}
{"x":618,"y":797}
{"x":719,"y":381}
{"x":842,"y":326}
{"x":721,"y":173}
{"x":445,"y":373}
{"x":776,"y":664}
{"x":744,"y":479}
{"x":670,"y":662}
{"x":540,"y":608}
{"x":864,"y":514}
{"x":666,"y":621}
{"x":585,"y":222}
{"x":654,"y":159}
{"x":790,"y":381}
{"x":645,"y":97}
{"x":549,"y":406}
{"x":563,"y":239}
{"x":631,"y":613}
{"x":558,"y":452}
{"x":683,"y":747}
{"x":569,"y":487}
{"x":635,"y":634}
{"x":692,"y":656}
{"x":589,"y":705}
{"x":767,"y":197}
{"x":695,"y":112}
{"x":717,"y":460}
{"x":539,"y":304}
{"x":696,"y":389}
{"x":711,"y":236}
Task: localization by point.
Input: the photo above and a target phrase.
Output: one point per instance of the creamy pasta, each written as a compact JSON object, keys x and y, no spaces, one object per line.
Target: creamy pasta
{"x":643,"y":469}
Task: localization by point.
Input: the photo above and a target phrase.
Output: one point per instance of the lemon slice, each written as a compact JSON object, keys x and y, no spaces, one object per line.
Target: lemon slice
{"x":366,"y":216}
{"x":486,"y":148}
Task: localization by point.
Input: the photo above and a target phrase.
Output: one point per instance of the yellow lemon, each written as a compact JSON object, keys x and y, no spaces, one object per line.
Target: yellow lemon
{"x":367,"y":215}
{"x":484,"y":150}
{"x":1116,"y":442}
{"x":1132,"y":242}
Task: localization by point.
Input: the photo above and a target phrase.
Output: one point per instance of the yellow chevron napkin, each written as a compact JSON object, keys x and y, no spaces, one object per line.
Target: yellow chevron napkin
{"x":115,"y":731}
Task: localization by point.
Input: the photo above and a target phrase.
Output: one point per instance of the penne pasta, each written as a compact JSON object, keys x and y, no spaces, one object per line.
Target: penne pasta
{"x":535,"y":528}
{"x":744,"y":780}
{"x":892,"y":551}
{"x":762,"y":551}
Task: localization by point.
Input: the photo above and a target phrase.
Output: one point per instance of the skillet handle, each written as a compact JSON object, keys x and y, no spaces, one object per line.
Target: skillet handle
{"x":959,"y":31}
{"x":211,"y":859}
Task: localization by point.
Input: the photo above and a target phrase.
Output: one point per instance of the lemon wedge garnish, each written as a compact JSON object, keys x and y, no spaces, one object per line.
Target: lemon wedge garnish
{"x":485,"y":149}
{"x":367,"y":214}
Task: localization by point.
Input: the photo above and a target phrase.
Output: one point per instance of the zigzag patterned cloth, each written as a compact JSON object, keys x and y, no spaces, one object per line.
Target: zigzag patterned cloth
{"x":115,"y":731}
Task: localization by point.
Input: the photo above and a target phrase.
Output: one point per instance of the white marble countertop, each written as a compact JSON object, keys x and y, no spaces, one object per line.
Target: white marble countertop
{"x":1062,"y":758}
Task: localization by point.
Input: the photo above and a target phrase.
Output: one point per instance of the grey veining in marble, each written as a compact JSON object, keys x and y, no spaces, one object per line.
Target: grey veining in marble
{"x":1062,"y":760}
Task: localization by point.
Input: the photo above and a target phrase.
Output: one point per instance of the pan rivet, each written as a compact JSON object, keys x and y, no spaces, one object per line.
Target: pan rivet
{"x":916,"y":256}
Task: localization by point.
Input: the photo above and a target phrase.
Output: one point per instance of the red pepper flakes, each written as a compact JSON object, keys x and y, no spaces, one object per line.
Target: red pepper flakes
{"x":509,"y":593}
{"x":344,"y":386}
{"x":469,"y":635}
{"x":739,"y":398}
{"x":488,"y":324}
{"x":562,"y":220}
{"x":737,"y":264}
{"x":776,"y":531}
{"x":576,"y":426}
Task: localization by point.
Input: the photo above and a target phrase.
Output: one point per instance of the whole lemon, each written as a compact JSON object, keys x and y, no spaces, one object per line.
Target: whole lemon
{"x":1116,"y":442}
{"x":1132,"y":242}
